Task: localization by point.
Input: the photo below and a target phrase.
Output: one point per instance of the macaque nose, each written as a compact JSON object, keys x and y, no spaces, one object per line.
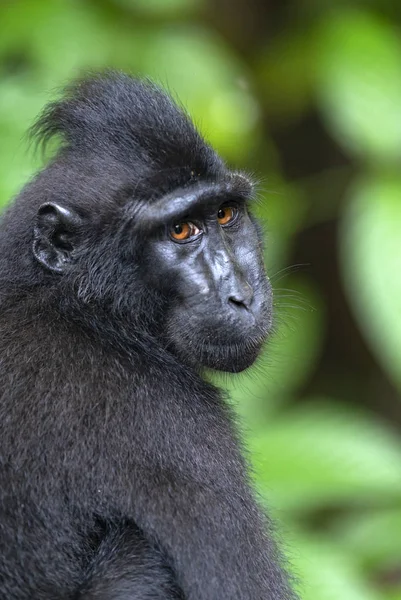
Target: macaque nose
{"x":241,"y":298}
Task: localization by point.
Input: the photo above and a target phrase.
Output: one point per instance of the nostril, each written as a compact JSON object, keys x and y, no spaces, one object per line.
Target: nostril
{"x":237,"y":303}
{"x":241,"y":298}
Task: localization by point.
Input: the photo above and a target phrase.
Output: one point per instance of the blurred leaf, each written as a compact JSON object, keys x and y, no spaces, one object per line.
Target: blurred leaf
{"x":20,"y":102}
{"x":327,"y":573}
{"x":161,"y":8}
{"x":359,"y":83}
{"x":309,"y":9}
{"x":299,"y":332}
{"x":324,"y":454}
{"x":355,"y":533}
{"x":61,"y":38}
{"x":285,"y":73}
{"x":393,"y":594}
{"x":282,"y":214}
{"x":371,"y":264}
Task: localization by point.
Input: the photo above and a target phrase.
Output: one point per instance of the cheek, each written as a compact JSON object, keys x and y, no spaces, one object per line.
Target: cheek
{"x":247,"y":245}
{"x":160,"y":267}
{"x":185,"y":275}
{"x":250,"y":260}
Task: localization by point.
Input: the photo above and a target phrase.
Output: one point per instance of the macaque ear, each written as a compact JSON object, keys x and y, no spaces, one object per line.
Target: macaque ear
{"x":55,"y":236}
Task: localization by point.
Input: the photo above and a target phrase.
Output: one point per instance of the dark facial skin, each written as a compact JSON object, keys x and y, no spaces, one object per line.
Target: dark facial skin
{"x":222,"y":307}
{"x":127,"y":265}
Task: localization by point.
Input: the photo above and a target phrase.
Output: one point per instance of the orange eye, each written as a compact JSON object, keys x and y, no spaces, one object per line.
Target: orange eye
{"x":183,"y":231}
{"x":226,"y":214}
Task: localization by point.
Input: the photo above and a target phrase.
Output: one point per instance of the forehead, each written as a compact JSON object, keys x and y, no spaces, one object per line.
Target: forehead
{"x":199,"y":199}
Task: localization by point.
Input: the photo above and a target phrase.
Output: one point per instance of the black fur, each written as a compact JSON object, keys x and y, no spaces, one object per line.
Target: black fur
{"x":121,"y":475}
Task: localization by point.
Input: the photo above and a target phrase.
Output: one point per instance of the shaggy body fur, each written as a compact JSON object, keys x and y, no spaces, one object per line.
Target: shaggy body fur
{"x":121,"y":476}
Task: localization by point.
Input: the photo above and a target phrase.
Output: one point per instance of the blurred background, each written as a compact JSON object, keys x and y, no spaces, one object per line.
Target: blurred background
{"x":306,"y":95}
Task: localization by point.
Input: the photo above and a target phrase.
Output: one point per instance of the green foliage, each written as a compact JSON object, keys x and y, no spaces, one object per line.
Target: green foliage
{"x":311,"y":469}
{"x":359,"y":84}
{"x":371,"y":257}
{"x":329,"y":468}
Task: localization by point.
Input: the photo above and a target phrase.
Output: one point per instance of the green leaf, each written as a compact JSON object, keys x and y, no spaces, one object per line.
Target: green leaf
{"x":58,"y":38}
{"x":359,"y":83}
{"x":161,"y":8}
{"x":356,"y":531}
{"x":282,"y":213}
{"x":285,"y":73}
{"x":393,"y":594}
{"x":325,"y":454}
{"x":20,"y":103}
{"x":371,"y":265}
{"x":325,"y":572}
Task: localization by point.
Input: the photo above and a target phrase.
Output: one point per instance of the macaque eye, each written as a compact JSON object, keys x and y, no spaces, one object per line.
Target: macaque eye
{"x":226,"y":215}
{"x":183,"y":231}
